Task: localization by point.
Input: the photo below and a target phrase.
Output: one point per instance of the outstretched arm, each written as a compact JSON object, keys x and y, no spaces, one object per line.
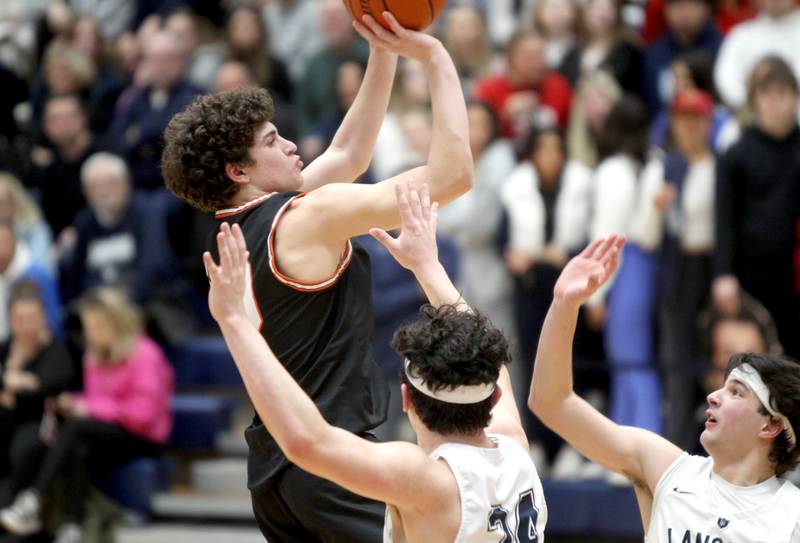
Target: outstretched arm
{"x":397,"y":473}
{"x":415,"y":249}
{"x":638,"y":454}
{"x":350,"y":151}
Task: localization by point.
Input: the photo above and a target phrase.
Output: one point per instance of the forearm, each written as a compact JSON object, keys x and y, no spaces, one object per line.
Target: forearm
{"x":359,"y":130}
{"x":438,"y":287}
{"x":450,"y":159}
{"x":285,"y":409}
{"x":552,"y":373}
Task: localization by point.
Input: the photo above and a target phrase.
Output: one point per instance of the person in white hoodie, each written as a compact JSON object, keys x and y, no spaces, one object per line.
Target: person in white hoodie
{"x":776,"y":31}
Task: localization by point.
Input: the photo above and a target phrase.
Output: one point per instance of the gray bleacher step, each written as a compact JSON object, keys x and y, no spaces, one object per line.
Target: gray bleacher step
{"x":219,"y":476}
{"x":231,"y":443}
{"x":185,"y":533}
{"x":203,"y":506}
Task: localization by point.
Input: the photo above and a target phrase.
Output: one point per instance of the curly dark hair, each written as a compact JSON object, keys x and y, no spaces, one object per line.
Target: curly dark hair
{"x":782,"y":377}
{"x":447,"y":347}
{"x":213,"y":131}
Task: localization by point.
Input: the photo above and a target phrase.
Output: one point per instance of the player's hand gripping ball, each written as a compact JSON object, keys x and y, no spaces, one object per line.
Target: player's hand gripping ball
{"x":413,"y":14}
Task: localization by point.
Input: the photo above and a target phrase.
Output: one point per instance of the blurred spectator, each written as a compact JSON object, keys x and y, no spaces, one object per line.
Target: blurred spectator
{"x":202,"y":59}
{"x":120,"y":237}
{"x":631,"y":295}
{"x":467,"y":40}
{"x":593,"y":101}
{"x":680,"y":219}
{"x":17,"y":207}
{"x":776,"y":31}
{"x":143,"y":111}
{"x":473,"y":222}
{"x":65,"y":70}
{"x":405,"y":135}
{"x":233,"y":74}
{"x":247,"y":42}
{"x":758,"y":205}
{"x":690,"y":27}
{"x":16,"y":265}
{"x":123,"y":413}
{"x":109,"y":83}
{"x":295,"y":33}
{"x":528,"y":92}
{"x":728,"y":13}
{"x":557,"y":22}
{"x":15,"y":91}
{"x":316,"y":94}
{"x":114,"y":17}
{"x":547,"y":200}
{"x":34,"y":366}
{"x":18,"y":34}
{"x":56,"y":163}
{"x":605,"y":44}
{"x":348,"y":81}
{"x":692,"y":72}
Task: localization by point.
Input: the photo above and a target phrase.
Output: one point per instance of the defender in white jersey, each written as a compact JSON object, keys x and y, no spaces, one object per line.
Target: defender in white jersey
{"x":470,"y":479}
{"x":736,"y":495}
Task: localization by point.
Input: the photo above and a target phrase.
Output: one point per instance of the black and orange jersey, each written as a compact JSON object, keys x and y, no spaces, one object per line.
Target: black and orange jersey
{"x":321,"y":332}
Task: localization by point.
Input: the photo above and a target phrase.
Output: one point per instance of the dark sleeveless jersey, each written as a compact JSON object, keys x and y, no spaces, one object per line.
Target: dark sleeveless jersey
{"x":321,"y":332}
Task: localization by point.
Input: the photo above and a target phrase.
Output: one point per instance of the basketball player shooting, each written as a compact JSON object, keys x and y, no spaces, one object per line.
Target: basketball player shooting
{"x":309,"y":288}
{"x":734,"y":495}
{"x":471,"y":477}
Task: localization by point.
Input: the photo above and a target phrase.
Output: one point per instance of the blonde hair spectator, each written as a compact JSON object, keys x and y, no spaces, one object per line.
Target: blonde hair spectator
{"x":114,"y":335}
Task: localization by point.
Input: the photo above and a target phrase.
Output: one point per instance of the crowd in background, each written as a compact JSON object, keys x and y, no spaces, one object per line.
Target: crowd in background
{"x":673,"y":122}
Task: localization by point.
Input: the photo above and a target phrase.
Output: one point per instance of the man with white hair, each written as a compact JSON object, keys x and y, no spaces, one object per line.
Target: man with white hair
{"x":120,"y":235}
{"x":752,"y":424}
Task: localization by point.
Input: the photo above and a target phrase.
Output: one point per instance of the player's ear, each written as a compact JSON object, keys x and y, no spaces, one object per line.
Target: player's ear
{"x":236,"y":173}
{"x":406,"y":398}
{"x":496,"y":395}
{"x":772,"y":428}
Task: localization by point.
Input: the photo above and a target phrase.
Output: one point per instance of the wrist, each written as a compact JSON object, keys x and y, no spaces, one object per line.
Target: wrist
{"x":436,"y":54}
{"x":427,"y":271}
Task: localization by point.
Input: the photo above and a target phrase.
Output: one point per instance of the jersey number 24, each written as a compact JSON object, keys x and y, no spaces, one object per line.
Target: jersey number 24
{"x":526,"y":516}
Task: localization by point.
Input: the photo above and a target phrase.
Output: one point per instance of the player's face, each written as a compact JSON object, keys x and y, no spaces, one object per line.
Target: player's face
{"x":733,"y":420}
{"x":276,"y":166}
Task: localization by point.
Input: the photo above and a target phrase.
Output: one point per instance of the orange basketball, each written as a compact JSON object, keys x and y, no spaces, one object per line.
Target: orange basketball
{"x":413,"y":14}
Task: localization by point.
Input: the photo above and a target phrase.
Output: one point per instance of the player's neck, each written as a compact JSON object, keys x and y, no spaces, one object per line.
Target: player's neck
{"x":430,"y":441}
{"x":748,"y":470}
{"x":246,"y":194}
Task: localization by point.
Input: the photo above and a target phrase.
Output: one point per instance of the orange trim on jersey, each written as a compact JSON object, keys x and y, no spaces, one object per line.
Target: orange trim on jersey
{"x":295,"y":284}
{"x":230,"y":212}
{"x":255,"y":300}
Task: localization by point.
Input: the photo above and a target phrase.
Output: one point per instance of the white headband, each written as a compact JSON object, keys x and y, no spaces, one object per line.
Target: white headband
{"x":747,"y":375}
{"x":465,"y":394}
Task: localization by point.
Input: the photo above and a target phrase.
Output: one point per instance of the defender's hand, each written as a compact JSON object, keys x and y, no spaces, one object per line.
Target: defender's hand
{"x":584,"y":274}
{"x":228,"y":279}
{"x":415,"y":249}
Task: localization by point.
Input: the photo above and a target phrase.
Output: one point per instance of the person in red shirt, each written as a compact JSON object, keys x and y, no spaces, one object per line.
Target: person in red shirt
{"x":528,"y":92}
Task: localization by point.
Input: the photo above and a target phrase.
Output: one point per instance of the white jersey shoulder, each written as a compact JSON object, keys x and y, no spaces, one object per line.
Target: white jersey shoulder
{"x":685,"y":510}
{"x":500,"y":491}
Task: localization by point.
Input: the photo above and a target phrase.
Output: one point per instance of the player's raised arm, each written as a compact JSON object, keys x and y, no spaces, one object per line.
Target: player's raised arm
{"x":391,"y":472}
{"x":415,"y":249}
{"x":337,"y":212}
{"x":350,"y":151}
{"x":640,"y":455}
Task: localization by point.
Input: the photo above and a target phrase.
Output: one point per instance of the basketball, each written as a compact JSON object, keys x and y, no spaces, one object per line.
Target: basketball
{"x":413,"y":14}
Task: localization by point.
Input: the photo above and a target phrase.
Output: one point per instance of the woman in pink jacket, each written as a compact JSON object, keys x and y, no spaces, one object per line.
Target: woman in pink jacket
{"x":123,"y":412}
